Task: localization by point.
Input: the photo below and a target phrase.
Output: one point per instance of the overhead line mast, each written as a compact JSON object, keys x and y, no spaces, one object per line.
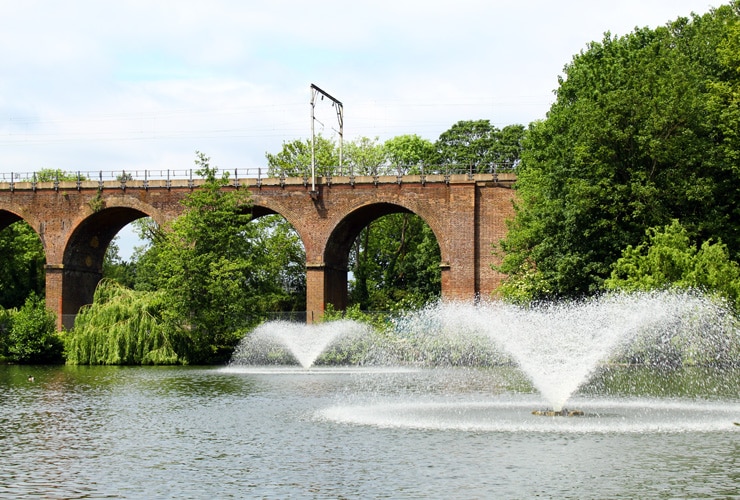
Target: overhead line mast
{"x":315,"y":91}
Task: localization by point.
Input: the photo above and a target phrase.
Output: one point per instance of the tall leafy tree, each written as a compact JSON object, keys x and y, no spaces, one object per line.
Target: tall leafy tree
{"x":364,"y":156}
{"x":643,"y":131}
{"x":204,"y":266}
{"x":479,"y":146}
{"x":467,"y":144}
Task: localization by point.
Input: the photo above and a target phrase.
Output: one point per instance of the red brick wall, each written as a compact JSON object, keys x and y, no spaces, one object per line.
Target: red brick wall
{"x":467,"y":216}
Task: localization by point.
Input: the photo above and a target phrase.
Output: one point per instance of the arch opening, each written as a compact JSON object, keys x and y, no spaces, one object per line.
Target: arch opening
{"x":85,"y":257}
{"x":382,"y":257}
{"x":283,"y":249}
{"x":23,"y":261}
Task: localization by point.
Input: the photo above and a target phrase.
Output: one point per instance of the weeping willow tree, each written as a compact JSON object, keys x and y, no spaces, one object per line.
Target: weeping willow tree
{"x":123,"y":327}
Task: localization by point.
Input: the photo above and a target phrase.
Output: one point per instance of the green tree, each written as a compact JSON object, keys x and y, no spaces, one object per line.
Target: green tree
{"x":21,"y":266}
{"x":643,"y":131}
{"x":283,"y":268}
{"x":294,"y":159}
{"x":51,"y":175}
{"x":124,"y":327}
{"x":364,"y":157}
{"x":115,"y":268}
{"x":204,"y":268}
{"x":507,"y":151}
{"x":478,"y":146}
{"x":32,"y":337}
{"x":667,"y":258}
{"x":467,"y":145}
{"x":395,"y":264}
{"x":410,"y":152}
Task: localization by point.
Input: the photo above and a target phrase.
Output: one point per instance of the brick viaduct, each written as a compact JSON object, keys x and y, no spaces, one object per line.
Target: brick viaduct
{"x":76,"y":221}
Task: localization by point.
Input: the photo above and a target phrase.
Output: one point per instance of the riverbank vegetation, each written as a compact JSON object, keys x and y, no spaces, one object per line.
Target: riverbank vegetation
{"x":629,"y":183}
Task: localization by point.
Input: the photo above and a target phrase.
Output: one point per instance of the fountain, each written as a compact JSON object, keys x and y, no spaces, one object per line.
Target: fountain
{"x":304,"y":343}
{"x":557,"y":347}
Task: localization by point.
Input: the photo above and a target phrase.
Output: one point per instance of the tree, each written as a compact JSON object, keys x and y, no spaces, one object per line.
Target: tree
{"x":32,"y":336}
{"x":409,"y":152}
{"x":467,"y":145}
{"x":478,"y":146}
{"x":284,"y":269}
{"x":204,"y":266}
{"x":643,"y":131}
{"x":294,"y":159}
{"x":667,"y":258}
{"x":364,"y":157}
{"x":395,"y":263}
{"x":115,"y":268}
{"x":125,"y":327}
{"x":52,"y":175}
{"x":22,"y":265}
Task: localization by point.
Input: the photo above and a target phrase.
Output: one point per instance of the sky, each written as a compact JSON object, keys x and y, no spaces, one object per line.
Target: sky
{"x":133,"y":85}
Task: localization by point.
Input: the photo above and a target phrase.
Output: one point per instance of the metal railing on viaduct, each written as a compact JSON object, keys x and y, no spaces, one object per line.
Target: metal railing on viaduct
{"x":77,"y":215}
{"x":104,"y":178}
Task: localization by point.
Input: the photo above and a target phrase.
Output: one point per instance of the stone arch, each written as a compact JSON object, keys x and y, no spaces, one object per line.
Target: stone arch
{"x":85,"y":248}
{"x":341,"y":238}
{"x":263,"y":205}
{"x":260,"y":209}
{"x":7,"y":218}
{"x":33,"y":275}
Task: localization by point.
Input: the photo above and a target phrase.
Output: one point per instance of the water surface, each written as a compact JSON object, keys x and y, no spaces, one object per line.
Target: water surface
{"x":106,"y":432}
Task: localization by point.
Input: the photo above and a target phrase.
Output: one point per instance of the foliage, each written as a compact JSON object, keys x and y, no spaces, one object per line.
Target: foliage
{"x":294,"y":159}
{"x":145,"y":257}
{"x":666,"y":258}
{"x":96,"y":203}
{"x":479,"y":146}
{"x":124,"y":327}
{"x":364,"y":157}
{"x":380,"y":321}
{"x":644,"y":130}
{"x":115,"y":268}
{"x":410,"y":151}
{"x":395,"y":264}
{"x":220,"y":273}
{"x":21,"y":266}
{"x":6,"y":323}
{"x":30,"y":333}
{"x":203,"y":267}
{"x":283,"y":269}
{"x":467,"y":144}
{"x":53,"y":175}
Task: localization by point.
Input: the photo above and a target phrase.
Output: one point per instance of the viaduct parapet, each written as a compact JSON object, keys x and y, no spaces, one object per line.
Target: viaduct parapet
{"x":76,"y":222}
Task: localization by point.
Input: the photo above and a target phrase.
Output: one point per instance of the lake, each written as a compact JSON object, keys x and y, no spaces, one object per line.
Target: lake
{"x":288,"y":432}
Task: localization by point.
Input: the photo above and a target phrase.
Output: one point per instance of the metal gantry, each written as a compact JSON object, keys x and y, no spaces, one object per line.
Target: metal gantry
{"x":316,"y":91}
